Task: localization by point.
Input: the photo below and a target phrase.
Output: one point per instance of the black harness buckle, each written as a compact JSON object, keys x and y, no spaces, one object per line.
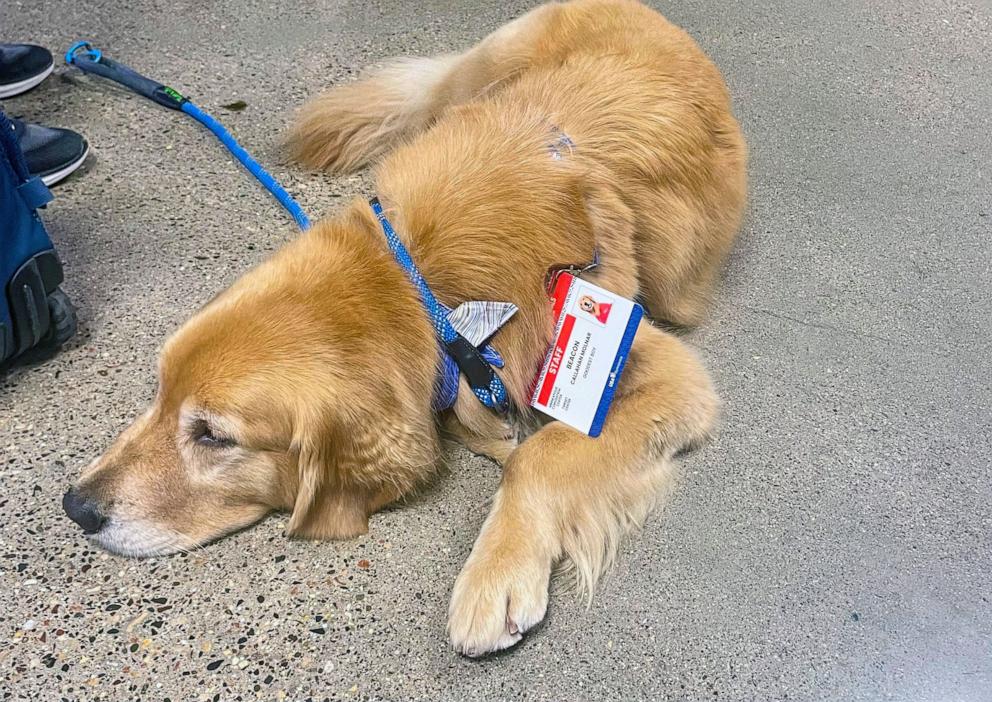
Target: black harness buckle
{"x":470,"y":362}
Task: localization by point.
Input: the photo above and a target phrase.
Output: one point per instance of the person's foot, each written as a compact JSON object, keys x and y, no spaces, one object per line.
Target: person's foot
{"x":51,"y":153}
{"x":23,"y":66}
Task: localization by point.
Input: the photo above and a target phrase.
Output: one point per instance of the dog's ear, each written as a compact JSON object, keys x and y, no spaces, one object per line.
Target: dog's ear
{"x":352,"y":465}
{"x":325,"y":507}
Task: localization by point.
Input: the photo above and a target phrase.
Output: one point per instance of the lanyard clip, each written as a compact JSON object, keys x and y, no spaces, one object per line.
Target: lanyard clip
{"x":575,"y":269}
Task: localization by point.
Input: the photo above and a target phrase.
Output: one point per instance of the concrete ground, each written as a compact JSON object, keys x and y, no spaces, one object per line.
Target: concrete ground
{"x":833,"y":543}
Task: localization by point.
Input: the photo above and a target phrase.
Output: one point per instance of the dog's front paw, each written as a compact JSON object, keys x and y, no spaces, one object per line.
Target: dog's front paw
{"x":495,"y":600}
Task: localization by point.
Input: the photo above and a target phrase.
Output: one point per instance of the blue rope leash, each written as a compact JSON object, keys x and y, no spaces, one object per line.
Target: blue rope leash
{"x":253,"y":167}
{"x":91,"y":60}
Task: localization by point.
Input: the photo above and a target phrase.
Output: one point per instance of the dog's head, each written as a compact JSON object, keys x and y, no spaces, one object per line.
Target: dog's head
{"x":306,"y":386}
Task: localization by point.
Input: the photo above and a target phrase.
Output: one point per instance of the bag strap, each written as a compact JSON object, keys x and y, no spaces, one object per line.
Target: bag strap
{"x":11,"y":149}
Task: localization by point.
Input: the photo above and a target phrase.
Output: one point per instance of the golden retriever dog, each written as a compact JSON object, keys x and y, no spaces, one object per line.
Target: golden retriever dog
{"x":307,"y":386}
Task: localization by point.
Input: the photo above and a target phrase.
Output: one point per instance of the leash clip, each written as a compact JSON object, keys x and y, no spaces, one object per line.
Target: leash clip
{"x":92,"y":54}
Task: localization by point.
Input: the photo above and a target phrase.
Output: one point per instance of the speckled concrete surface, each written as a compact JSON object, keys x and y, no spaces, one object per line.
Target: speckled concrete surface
{"x":832,"y":544}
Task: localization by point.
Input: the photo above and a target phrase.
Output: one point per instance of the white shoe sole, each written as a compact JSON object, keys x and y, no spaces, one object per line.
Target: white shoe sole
{"x":12,"y":89}
{"x":58,"y":175}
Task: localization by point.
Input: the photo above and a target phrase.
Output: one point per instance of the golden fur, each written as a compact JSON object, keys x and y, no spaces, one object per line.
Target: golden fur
{"x":307,"y":385}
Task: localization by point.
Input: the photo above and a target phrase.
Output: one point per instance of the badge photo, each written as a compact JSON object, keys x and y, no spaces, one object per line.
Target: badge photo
{"x":595,"y":305}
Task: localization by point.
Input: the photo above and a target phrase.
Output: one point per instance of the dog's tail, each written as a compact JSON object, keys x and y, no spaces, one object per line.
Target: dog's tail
{"x":351,"y":125}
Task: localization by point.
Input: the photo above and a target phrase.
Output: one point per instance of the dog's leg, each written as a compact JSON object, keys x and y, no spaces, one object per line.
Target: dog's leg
{"x":683,"y":234}
{"x":565,"y":495}
{"x":497,"y":443}
{"x":354,"y":124}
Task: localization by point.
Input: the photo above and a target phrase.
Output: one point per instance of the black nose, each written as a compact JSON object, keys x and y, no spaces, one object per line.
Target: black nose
{"x":83,"y":511}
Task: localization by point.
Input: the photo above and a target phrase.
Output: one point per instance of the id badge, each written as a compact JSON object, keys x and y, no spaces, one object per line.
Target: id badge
{"x":594,"y":330}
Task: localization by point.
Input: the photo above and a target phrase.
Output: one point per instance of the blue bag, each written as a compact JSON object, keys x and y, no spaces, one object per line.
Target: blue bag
{"x":36,"y":317}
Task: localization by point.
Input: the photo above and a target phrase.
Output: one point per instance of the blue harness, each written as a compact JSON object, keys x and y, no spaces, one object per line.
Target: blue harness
{"x":459,"y":353}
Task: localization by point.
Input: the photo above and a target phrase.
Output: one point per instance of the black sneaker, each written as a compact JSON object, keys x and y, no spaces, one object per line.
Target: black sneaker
{"x":23,"y":66}
{"x":51,"y":154}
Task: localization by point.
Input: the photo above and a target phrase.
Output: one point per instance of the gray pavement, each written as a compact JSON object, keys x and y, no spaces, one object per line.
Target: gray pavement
{"x":833,"y":543}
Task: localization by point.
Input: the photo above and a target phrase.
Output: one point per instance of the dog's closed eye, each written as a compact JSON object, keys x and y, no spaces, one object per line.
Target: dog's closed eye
{"x":203,"y":434}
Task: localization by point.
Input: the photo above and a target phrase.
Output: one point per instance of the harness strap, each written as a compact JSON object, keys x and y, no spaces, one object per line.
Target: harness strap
{"x":483,"y":381}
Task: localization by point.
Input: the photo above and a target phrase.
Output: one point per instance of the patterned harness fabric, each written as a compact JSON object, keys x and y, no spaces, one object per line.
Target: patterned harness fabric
{"x":494,"y":395}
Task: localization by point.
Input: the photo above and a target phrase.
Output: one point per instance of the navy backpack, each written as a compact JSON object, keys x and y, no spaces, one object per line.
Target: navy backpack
{"x":36,"y":317}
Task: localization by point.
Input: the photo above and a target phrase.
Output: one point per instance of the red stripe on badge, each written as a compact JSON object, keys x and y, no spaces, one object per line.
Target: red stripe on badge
{"x":556,"y":356}
{"x":562,"y":284}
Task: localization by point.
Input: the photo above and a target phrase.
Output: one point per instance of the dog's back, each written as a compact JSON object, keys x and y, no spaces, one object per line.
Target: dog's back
{"x":633,"y":100}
